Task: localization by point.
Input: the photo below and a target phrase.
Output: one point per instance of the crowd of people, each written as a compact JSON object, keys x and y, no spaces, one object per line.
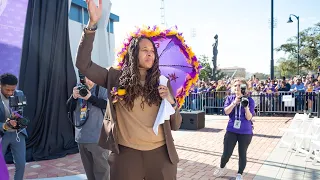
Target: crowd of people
{"x":114,"y":117}
{"x":307,"y":83}
{"x":266,"y":93}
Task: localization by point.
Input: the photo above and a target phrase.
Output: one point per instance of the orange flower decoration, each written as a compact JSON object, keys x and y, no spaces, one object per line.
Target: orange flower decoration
{"x":117,"y":94}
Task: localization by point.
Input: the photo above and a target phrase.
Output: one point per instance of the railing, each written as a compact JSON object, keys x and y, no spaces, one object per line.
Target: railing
{"x":265,"y":103}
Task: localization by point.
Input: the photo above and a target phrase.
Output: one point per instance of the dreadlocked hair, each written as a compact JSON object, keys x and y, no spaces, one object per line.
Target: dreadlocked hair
{"x":130,"y":77}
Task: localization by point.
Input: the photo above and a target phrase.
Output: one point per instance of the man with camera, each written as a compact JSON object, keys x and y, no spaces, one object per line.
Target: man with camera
{"x":12,"y":128}
{"x":86,"y":108}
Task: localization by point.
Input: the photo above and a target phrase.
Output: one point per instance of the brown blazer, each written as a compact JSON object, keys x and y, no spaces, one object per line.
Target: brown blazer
{"x":109,"y":78}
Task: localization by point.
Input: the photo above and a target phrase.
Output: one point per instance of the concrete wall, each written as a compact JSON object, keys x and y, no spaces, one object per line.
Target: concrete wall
{"x":103,"y":47}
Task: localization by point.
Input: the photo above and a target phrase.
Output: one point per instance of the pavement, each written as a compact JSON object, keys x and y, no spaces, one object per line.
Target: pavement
{"x":200,"y":152}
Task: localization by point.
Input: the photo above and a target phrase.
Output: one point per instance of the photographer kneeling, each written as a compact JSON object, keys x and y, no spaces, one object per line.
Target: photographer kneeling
{"x":12,"y":124}
{"x":86,"y":108}
{"x":240,"y":109}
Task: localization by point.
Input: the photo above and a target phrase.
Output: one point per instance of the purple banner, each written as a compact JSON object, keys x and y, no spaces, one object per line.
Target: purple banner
{"x":12,"y":22}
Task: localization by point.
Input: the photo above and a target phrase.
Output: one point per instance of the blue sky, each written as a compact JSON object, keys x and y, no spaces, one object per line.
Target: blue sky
{"x":242,"y":25}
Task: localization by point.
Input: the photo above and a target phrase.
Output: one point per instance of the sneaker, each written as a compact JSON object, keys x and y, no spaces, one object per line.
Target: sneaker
{"x":219,"y":171}
{"x":239,"y":177}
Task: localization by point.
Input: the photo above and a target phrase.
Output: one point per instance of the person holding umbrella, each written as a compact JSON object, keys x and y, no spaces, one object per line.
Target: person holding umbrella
{"x":134,"y":99}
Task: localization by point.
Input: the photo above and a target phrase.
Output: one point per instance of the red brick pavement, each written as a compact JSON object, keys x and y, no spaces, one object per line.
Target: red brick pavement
{"x":199,"y":151}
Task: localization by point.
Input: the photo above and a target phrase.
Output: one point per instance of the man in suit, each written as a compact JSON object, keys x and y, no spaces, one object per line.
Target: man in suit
{"x":11,"y":137}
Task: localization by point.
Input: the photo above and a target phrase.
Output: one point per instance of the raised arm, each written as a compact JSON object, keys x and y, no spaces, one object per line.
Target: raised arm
{"x":94,"y":72}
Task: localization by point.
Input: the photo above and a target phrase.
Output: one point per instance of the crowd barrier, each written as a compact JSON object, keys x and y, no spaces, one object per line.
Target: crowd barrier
{"x":265,"y":103}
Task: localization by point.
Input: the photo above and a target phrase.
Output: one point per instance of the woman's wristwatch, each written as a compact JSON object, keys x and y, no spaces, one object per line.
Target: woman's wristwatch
{"x":175,"y":102}
{"x":91,"y":28}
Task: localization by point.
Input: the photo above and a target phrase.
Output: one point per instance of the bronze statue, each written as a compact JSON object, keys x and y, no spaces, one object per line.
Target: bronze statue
{"x":214,"y":57}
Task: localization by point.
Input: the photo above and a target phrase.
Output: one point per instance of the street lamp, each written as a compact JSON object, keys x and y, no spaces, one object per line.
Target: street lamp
{"x":290,"y":21}
{"x":272,"y":60}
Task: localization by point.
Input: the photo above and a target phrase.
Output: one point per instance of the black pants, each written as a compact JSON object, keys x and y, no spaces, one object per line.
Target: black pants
{"x":230,"y":141}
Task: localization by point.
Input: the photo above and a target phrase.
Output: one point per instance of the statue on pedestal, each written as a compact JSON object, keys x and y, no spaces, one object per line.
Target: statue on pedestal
{"x":214,"y":57}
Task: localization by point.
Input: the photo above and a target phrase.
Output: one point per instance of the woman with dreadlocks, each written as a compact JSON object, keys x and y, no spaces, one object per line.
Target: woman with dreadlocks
{"x":134,"y":101}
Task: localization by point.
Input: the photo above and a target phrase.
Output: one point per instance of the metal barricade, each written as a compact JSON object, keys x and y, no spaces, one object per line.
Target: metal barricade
{"x":194,"y":102}
{"x":214,"y":102}
{"x":265,"y":103}
{"x":288,"y":103}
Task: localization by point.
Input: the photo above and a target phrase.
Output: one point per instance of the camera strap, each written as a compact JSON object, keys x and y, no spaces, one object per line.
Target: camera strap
{"x":97,"y":90}
{"x":237,"y":113}
{"x":7,"y":109}
{"x":18,"y":138}
{"x":97,"y":93}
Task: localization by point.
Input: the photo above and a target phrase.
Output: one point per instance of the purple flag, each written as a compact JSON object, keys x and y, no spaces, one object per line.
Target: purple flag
{"x":12,"y":22}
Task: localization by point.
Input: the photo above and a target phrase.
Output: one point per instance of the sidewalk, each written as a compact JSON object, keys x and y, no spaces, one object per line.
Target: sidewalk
{"x":199,"y":152}
{"x":284,"y":164}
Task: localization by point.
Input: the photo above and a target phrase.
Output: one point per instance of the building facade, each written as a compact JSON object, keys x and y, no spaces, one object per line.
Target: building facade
{"x":236,"y":72}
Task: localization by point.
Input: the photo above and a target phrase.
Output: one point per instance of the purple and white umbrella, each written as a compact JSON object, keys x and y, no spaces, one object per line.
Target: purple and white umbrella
{"x":177,"y":61}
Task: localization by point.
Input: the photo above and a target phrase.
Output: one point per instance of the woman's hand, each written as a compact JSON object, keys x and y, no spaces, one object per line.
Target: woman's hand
{"x":95,"y":11}
{"x":165,"y":94}
{"x":237,"y":99}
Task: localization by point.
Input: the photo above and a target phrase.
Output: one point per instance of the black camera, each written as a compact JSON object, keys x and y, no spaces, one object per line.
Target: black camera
{"x":82,"y":87}
{"x":244,"y":99}
{"x":16,"y":103}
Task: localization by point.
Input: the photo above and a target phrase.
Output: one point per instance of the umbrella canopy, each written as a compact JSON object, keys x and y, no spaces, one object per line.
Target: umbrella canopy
{"x":177,"y":61}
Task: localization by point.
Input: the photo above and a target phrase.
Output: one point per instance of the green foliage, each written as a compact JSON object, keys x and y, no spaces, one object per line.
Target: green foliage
{"x":261,"y":76}
{"x":220,"y":74}
{"x":309,"y":52}
{"x":287,"y":67}
{"x":206,"y":71}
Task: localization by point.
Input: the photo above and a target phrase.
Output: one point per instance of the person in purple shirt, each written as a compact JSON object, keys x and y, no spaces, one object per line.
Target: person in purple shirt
{"x":239,"y":129}
{"x":4,"y":175}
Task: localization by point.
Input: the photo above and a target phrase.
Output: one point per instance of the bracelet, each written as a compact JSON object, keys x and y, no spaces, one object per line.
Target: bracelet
{"x":5,"y":127}
{"x":91,"y":28}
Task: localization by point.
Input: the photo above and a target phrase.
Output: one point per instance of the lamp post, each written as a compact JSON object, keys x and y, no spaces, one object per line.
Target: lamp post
{"x":290,"y":21}
{"x":272,"y":60}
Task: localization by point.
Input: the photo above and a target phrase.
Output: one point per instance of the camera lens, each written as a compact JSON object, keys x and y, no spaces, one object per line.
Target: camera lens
{"x":83,"y":92}
{"x":244,"y":101}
